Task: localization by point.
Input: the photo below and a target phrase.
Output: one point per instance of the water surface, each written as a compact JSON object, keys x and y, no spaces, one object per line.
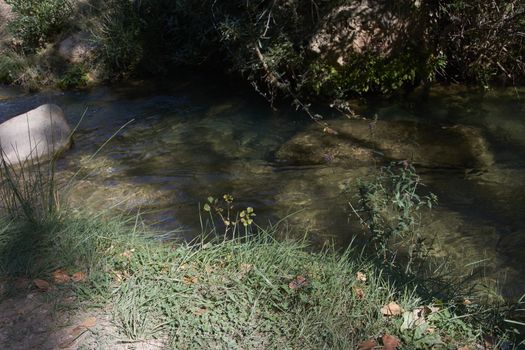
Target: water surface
{"x":185,"y":141}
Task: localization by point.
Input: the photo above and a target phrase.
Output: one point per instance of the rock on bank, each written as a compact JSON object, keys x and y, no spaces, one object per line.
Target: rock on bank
{"x":38,"y":134}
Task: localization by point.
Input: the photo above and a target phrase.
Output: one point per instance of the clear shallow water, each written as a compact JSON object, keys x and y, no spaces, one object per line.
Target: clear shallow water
{"x":186,"y":141}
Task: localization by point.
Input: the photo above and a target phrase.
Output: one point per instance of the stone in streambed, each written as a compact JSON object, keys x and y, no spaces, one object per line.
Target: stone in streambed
{"x":38,"y":134}
{"x":360,"y":142}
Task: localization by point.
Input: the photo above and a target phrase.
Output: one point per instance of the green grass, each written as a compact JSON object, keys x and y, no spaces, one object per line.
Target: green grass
{"x":218,"y":293}
{"x":249,"y":291}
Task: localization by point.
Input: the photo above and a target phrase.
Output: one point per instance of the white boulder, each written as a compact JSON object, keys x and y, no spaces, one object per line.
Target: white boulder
{"x":38,"y":135}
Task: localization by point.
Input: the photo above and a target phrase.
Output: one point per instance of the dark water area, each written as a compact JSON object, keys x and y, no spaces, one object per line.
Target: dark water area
{"x":185,"y":141}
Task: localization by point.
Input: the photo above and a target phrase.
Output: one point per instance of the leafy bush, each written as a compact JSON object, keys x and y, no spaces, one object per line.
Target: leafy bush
{"x":390,"y":206}
{"x":75,"y":77}
{"x":37,"y":21}
{"x":117,"y":36}
{"x":11,"y":66}
{"x":151,"y":37}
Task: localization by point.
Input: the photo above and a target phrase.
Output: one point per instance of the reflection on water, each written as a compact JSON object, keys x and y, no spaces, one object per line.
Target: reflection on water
{"x":187,"y":141}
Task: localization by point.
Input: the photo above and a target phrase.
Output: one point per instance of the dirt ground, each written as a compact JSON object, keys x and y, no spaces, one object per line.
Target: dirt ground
{"x":48,"y":320}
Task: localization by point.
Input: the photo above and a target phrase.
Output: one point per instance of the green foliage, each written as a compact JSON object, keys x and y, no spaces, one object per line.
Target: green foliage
{"x":117,"y":36}
{"x":370,"y":73}
{"x":11,"y":66}
{"x":252,"y":292}
{"x":391,"y":207}
{"x":230,"y":218}
{"x":28,"y":190}
{"x":75,"y":77}
{"x":37,"y":21}
{"x":149,"y":37}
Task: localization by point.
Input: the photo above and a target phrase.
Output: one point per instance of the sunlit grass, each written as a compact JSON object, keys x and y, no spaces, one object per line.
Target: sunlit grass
{"x":238,"y":289}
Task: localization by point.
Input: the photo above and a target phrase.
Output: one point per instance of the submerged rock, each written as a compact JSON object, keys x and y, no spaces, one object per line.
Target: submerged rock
{"x":38,"y":135}
{"x":361,"y":142}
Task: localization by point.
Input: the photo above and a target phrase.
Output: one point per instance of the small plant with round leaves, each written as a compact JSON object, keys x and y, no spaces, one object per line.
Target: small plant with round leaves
{"x":247,"y":216}
{"x":230,"y":218}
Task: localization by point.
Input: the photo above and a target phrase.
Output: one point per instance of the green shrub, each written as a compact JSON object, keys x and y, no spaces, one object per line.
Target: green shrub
{"x":390,"y":207}
{"x":75,"y":77}
{"x":37,"y":21}
{"x":117,"y":34}
{"x":11,"y":66}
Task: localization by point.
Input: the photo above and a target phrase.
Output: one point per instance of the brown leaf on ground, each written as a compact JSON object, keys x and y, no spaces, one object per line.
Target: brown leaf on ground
{"x":359,"y":293}
{"x":41,"y":284}
{"x":60,"y":276}
{"x":119,"y":276}
{"x":245,"y":268}
{"x":298,"y":282}
{"x":128,"y":253}
{"x":183,"y":267}
{"x":392,"y":309}
{"x":367,"y":345}
{"x":464,"y":348}
{"x":77,"y":331}
{"x":189,"y":280}
{"x":78,"y":276}
{"x":361,"y":277}
{"x":200,"y":311}
{"x":89,"y":322}
{"x":390,"y":342}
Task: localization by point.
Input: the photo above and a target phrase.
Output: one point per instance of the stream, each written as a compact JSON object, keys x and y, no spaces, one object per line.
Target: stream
{"x":184,"y":141}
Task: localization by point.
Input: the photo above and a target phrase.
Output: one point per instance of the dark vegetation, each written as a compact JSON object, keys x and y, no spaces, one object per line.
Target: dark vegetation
{"x":300,"y":49}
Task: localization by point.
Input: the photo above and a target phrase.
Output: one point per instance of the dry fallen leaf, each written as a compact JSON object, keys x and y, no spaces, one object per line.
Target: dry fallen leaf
{"x":118,"y":275}
{"x":128,"y":253}
{"x":41,"y":284}
{"x":245,"y":268}
{"x":182,"y":267}
{"x":200,"y":311}
{"x":464,"y":348}
{"x":390,"y":342}
{"x":76,"y":332}
{"x":89,"y":322}
{"x":367,"y":345}
{"x":189,"y":280}
{"x":60,"y":276}
{"x":359,"y":293}
{"x":361,"y":277}
{"x":78,"y":276}
{"x":392,"y":309}
{"x":298,"y":282}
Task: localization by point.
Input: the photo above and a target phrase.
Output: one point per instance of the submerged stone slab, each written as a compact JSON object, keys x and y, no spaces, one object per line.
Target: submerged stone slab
{"x":38,"y":135}
{"x":361,"y":142}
